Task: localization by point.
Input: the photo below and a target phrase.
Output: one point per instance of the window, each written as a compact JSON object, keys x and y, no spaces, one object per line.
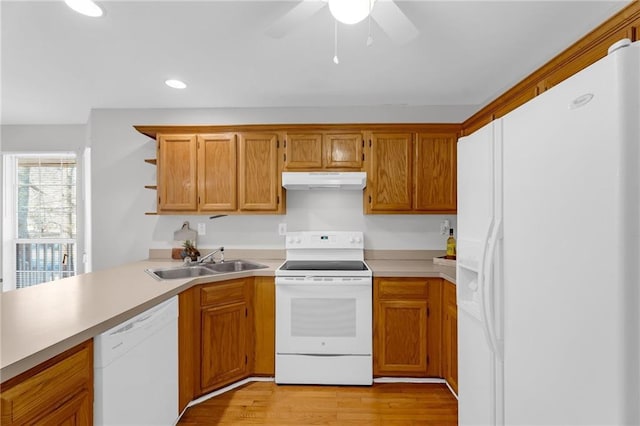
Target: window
{"x":42,"y":214}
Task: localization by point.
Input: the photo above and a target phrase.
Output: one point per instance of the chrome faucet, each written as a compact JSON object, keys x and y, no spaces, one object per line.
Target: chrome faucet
{"x":209,"y":257}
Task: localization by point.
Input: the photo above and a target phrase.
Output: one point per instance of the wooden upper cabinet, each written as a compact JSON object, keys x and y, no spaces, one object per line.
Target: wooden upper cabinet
{"x":177,"y":178}
{"x":343,"y":151}
{"x":389,"y":173}
{"x":411,"y":168}
{"x":323,"y":151}
{"x":435,"y":172}
{"x":217,"y":172}
{"x":303,"y":151}
{"x":258,"y":176}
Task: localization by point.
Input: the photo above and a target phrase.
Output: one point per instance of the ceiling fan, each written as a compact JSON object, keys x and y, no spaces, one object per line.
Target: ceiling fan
{"x":385,"y":13}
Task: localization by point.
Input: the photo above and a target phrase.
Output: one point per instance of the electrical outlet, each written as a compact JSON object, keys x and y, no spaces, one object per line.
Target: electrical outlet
{"x":444,"y":227}
{"x":202,"y":229}
{"x":282,"y":229}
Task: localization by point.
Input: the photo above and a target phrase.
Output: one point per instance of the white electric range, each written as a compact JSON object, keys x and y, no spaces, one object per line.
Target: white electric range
{"x":324,"y":310}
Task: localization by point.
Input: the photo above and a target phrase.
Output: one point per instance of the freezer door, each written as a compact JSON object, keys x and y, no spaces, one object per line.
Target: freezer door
{"x":475,"y":194}
{"x":476,"y":374}
{"x":477,"y":257}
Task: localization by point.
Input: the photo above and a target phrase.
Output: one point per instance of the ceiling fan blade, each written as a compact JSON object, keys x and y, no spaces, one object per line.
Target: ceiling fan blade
{"x":301,"y":12}
{"x":393,"y":21}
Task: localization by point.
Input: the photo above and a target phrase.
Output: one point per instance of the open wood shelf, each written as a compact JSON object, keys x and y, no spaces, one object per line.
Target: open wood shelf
{"x":150,"y":160}
{"x":151,"y":186}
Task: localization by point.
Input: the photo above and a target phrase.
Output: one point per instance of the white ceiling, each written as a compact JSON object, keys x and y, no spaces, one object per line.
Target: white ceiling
{"x":56,"y":65}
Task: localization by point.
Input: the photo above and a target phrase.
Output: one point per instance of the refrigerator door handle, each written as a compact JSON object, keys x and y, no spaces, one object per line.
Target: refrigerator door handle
{"x":482,"y":282}
{"x":488,"y":293}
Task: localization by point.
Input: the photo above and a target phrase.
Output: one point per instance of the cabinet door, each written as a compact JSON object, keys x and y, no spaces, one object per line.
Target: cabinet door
{"x":407,"y":326}
{"x":401,"y":337}
{"x":303,"y":151}
{"x":58,"y":391}
{"x":390,"y":176}
{"x":343,"y":151}
{"x":224,"y":355}
{"x":264,"y":308}
{"x":259,"y":188}
{"x":435,"y":173}
{"x":74,"y":412}
{"x":217,"y":187}
{"x":177,"y":176}
{"x":450,"y":337}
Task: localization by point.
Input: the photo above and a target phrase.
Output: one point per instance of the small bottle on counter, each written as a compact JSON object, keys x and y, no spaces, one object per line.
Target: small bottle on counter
{"x":451,"y":246}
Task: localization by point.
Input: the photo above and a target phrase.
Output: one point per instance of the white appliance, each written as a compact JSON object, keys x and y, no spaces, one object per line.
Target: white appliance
{"x":324,"y":310}
{"x":324,"y":180}
{"x":136,"y":370}
{"x":548,"y":255}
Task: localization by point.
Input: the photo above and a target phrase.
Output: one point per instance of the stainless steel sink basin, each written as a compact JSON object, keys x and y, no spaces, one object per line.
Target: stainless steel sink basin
{"x":200,"y":270}
{"x":190,"y":271}
{"x":234,"y":266}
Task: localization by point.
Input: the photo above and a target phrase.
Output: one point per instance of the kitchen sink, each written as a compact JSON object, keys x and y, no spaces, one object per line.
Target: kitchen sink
{"x":234,"y":266}
{"x":191,"y":271}
{"x":200,"y":270}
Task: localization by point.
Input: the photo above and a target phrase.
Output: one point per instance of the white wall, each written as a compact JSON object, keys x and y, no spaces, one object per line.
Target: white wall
{"x":122,"y":233}
{"x":39,"y":138}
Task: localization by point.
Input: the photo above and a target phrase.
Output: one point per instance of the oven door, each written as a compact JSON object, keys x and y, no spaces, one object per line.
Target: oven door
{"x":323,"y":315}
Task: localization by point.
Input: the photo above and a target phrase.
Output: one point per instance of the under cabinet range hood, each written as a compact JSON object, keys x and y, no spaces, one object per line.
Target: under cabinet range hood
{"x":324,"y":180}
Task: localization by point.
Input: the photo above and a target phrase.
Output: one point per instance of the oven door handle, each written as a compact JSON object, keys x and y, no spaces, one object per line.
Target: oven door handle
{"x":329,"y":281}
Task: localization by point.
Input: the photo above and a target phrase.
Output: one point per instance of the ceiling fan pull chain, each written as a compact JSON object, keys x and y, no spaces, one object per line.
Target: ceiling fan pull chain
{"x":370,"y":38}
{"x":335,"y":42}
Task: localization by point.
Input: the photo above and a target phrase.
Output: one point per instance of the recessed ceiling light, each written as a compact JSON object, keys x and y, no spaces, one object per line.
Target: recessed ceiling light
{"x":176,"y":84}
{"x":86,"y":7}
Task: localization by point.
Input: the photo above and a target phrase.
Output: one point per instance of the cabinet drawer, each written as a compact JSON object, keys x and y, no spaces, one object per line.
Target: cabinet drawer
{"x":406,"y":288}
{"x":449,"y":294}
{"x":49,"y":388}
{"x":223,"y":293}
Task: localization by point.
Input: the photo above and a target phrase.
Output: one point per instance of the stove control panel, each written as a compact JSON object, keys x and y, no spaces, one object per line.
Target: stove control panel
{"x":324,"y":239}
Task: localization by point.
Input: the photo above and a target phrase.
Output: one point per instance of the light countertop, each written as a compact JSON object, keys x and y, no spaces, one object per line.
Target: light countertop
{"x":40,"y":322}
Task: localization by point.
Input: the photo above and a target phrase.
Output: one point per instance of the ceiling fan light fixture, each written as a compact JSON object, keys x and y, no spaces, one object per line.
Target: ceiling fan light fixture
{"x":85,"y":7}
{"x":350,"y":11}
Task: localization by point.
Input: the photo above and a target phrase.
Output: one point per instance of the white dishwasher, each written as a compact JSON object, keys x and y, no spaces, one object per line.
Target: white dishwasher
{"x":136,"y":370}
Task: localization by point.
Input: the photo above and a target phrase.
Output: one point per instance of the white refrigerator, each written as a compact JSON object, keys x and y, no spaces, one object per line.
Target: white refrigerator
{"x":548,"y":265}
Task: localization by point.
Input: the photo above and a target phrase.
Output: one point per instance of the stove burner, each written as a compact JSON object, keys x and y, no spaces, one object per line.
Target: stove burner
{"x":324,"y":265}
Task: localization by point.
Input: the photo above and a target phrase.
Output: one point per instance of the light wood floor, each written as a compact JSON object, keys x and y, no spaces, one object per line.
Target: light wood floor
{"x":387,"y":404}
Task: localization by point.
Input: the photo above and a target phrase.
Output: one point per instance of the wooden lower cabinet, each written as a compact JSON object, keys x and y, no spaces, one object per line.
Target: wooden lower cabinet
{"x":407,"y":327}
{"x":450,"y":336}
{"x":264,"y":310}
{"x":56,"y":392}
{"x":215,"y":330}
{"x":224,"y":345}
